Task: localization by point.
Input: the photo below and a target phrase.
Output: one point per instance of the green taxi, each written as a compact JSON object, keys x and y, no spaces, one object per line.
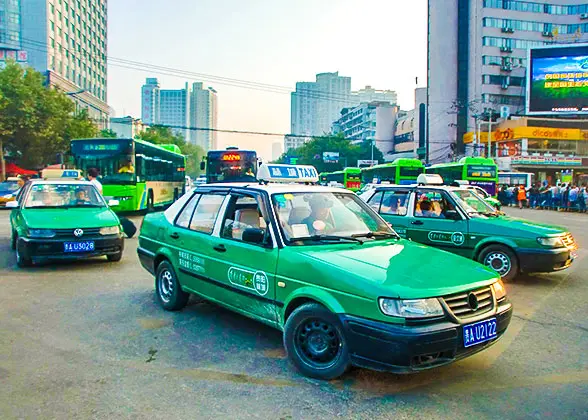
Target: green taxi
{"x":65,"y":219}
{"x":320,"y":265}
{"x":458,"y":220}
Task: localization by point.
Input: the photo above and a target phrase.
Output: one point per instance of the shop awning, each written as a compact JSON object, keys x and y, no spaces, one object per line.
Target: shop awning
{"x":12,"y":169}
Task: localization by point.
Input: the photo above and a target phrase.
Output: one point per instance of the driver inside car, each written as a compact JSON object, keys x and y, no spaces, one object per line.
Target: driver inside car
{"x":317,"y":222}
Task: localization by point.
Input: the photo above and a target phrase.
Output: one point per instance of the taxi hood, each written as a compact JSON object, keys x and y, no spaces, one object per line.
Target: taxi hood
{"x":69,"y":218}
{"x":401,"y":269}
{"x":511,"y":226}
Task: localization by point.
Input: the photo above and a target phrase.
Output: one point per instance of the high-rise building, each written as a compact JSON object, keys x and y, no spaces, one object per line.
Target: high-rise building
{"x":369,"y":94}
{"x":477,"y":58}
{"x":150,"y":101}
{"x":66,"y":41}
{"x":277,"y":150}
{"x":127,"y":127}
{"x":203,"y":116}
{"x":174,"y":110}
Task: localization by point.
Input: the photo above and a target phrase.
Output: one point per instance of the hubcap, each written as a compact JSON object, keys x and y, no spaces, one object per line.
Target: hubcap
{"x":498,"y":262}
{"x":166,"y":285}
{"x":318,"y":343}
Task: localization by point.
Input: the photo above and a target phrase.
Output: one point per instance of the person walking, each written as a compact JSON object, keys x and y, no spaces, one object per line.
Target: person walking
{"x":522,"y":196}
{"x":554,"y":197}
{"x":583,"y":197}
{"x":534,"y":196}
{"x":565,"y":191}
{"x":573,"y":197}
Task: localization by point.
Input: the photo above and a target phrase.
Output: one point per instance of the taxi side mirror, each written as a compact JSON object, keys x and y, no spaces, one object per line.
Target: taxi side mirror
{"x":12,"y":204}
{"x":452,"y":215}
{"x":254,"y":236}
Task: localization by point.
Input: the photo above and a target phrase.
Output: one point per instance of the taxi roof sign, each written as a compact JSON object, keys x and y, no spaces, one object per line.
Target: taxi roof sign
{"x":287,"y":173}
{"x":54,"y":173}
{"x":429,"y":179}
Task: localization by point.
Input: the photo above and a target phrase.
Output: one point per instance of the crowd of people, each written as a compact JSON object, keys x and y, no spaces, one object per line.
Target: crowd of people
{"x":559,"y":197}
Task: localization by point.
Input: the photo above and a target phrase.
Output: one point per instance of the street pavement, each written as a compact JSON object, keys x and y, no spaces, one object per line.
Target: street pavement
{"x":87,"y":340}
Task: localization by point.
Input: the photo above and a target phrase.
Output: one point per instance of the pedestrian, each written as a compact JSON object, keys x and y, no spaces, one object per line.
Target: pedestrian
{"x":554,"y":197}
{"x":565,"y":191}
{"x":584,"y":198}
{"x":522,"y":196}
{"x":534,"y":195}
{"x":501,"y":196}
{"x":573,"y":197}
{"x":92,"y":177}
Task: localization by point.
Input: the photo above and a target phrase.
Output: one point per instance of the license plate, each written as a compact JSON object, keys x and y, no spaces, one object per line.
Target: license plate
{"x":479,"y":332}
{"x":85,"y":246}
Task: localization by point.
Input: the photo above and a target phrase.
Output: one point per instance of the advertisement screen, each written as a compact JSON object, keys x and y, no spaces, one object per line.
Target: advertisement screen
{"x":558,"y":80}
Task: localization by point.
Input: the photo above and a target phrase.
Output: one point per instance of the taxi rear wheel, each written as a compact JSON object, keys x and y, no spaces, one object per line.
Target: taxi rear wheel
{"x":167,"y":288}
{"x":315,"y":342}
{"x":502,"y":260}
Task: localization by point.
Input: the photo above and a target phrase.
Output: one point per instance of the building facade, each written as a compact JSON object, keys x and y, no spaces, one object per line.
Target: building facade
{"x":174,"y":110}
{"x":127,"y":127}
{"x":150,"y":101}
{"x":293,"y":141}
{"x":477,"y":53}
{"x":369,"y":94}
{"x":203,"y":116}
{"x":66,"y":41}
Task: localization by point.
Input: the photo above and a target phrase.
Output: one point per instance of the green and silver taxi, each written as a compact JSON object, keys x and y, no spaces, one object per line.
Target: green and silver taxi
{"x":320,"y":265}
{"x":57,"y":220}
{"x":458,"y":220}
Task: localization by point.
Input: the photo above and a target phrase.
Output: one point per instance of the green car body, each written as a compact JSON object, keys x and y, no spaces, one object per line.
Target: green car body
{"x":478,"y":232}
{"x":274,"y":281}
{"x":62,"y":231}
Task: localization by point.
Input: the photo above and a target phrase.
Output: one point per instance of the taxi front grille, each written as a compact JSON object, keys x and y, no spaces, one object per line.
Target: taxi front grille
{"x":569,"y":242}
{"x":460,"y":304}
{"x":69,"y":233}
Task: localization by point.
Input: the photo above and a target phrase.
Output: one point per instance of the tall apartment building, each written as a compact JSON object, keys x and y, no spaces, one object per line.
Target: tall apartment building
{"x":315,"y":105}
{"x":203,"y":114}
{"x":183,"y":109}
{"x":369,"y":94}
{"x":66,"y":40}
{"x":477,"y":58}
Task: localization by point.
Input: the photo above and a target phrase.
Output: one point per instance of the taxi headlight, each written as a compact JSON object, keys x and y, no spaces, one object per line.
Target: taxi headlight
{"x":499,"y":290}
{"x":111,"y":230}
{"x":41,"y":233}
{"x":553,"y":242}
{"x":411,"y":308}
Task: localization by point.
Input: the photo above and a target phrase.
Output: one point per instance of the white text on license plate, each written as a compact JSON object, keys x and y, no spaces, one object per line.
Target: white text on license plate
{"x":85,"y":246}
{"x":479,"y":332}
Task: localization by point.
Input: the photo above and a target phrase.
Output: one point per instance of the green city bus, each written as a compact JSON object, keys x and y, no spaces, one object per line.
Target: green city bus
{"x":479,"y":171}
{"x":350,"y":178}
{"x":230,"y":165}
{"x":139,"y":174}
{"x":323,"y":178}
{"x":402,"y":171}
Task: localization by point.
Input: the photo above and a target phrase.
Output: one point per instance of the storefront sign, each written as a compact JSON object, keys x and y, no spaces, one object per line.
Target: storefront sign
{"x":547,"y":160}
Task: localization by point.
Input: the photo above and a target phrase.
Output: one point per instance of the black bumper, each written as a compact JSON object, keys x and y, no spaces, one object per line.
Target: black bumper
{"x":147,"y":259}
{"x":407,"y":349}
{"x":53,"y":249}
{"x":544,"y":260}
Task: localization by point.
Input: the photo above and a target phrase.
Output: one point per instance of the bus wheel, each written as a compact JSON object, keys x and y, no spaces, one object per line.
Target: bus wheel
{"x":150,"y":205}
{"x":176,"y":194}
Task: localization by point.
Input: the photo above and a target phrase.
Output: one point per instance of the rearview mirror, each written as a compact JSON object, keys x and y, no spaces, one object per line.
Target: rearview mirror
{"x":12,"y":204}
{"x":112,"y":203}
{"x":202,"y":165}
{"x":253,"y":235}
{"x":452,"y":215}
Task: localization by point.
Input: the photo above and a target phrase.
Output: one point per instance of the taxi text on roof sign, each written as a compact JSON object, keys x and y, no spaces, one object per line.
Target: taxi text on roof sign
{"x":287,"y":173}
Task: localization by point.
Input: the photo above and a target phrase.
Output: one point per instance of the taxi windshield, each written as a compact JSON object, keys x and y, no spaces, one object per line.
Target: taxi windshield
{"x":327,"y":216}
{"x":472,"y":203}
{"x":63,"y":195}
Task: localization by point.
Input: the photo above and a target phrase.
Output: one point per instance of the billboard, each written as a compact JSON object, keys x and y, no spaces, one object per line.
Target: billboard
{"x":557,"y":80}
{"x":330,"y":157}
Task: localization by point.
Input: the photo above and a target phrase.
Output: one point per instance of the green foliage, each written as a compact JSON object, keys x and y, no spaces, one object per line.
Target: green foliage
{"x":36,"y":123}
{"x":107,"y":134}
{"x":158,"y":134}
{"x":311,"y":153}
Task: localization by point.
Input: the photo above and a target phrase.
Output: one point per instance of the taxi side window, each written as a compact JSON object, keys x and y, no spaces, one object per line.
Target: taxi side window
{"x":243,"y":212}
{"x":206,"y":212}
{"x":375,"y":201}
{"x":431,"y":204}
{"x":394,"y":203}
{"x":183,"y":219}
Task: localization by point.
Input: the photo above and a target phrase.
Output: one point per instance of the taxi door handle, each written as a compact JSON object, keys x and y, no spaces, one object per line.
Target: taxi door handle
{"x":220,"y":248}
{"x":174,"y":235}
{"x":416,"y":222}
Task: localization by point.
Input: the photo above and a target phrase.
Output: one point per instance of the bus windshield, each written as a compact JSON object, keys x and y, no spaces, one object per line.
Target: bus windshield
{"x":114,"y":159}
{"x":231,"y":166}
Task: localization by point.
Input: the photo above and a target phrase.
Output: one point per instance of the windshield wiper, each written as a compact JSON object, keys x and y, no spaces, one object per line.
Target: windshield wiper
{"x":328,"y":238}
{"x":378,"y":235}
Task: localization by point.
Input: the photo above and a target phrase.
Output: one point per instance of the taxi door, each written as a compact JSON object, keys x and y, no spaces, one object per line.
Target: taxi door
{"x":392,"y":205}
{"x":436,"y":221}
{"x":246,"y":266}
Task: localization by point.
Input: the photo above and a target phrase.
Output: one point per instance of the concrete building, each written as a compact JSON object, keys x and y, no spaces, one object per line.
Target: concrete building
{"x":277,"y":150}
{"x":369,"y":94}
{"x":410,"y":130}
{"x":203,"y":114}
{"x":127,"y":127}
{"x":150,"y":101}
{"x":477,"y":53}
{"x":66,"y":41}
{"x":174,"y":110}
{"x":292,"y":141}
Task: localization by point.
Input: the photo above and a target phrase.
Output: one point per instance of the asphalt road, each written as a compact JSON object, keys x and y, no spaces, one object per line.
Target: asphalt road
{"x":87,"y":340}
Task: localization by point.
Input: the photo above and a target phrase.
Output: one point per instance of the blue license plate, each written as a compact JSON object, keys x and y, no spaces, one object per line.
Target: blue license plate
{"x":83,"y":246}
{"x":479,"y":332}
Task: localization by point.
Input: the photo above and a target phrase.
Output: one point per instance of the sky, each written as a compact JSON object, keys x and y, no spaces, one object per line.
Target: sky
{"x":381,"y":43}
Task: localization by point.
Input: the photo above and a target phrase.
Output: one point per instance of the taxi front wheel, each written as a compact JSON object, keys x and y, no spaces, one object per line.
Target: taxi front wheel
{"x":167,"y":288}
{"x":315,"y":342}
{"x":502,"y":260}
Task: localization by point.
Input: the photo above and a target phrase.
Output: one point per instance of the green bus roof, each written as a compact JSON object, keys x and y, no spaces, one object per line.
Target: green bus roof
{"x":416,"y":163}
{"x":468,"y":160}
{"x":348,"y":170}
{"x":171,"y":148}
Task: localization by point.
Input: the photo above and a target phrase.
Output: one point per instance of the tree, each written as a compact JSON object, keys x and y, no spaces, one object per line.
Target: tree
{"x":36,"y":123}
{"x":108,"y":134}
{"x":311,"y":153}
{"x":159,"y":134}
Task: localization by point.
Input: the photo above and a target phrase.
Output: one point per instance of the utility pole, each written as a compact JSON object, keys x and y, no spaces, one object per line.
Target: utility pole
{"x":2,"y":162}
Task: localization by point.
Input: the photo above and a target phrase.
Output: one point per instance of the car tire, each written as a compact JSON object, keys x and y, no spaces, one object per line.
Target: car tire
{"x":501,"y":259}
{"x":168,"y":291}
{"x":13,"y":240}
{"x":115,"y":257}
{"x":150,"y":205}
{"x":315,"y":342}
{"x":22,"y":260}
